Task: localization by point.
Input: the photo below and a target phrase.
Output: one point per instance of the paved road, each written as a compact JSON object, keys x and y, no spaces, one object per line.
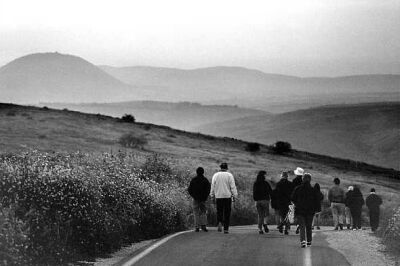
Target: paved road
{"x":242,"y":246}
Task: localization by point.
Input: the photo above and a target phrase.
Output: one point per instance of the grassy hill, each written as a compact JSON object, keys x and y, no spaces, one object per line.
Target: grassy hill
{"x":108,"y":194}
{"x":363,"y":132}
{"x":25,"y":128}
{"x":183,"y":115}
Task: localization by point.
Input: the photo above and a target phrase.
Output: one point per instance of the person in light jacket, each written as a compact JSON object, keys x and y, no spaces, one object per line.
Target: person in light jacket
{"x":223,"y":190}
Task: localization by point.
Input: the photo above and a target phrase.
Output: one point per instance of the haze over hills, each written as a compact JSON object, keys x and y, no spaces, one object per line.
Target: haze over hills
{"x":365,"y":132}
{"x":54,"y":77}
{"x":58,"y":77}
{"x":182,"y":115}
{"x":256,"y":89}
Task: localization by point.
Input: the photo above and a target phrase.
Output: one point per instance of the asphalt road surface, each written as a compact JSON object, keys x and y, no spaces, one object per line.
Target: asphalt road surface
{"x":242,"y":246}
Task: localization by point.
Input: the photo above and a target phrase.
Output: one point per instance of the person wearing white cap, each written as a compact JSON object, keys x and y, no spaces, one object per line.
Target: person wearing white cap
{"x":299,"y":172}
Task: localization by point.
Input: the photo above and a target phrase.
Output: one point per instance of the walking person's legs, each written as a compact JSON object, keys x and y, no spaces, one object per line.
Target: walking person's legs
{"x":374,"y":220}
{"x":302,"y":223}
{"x":227,"y":207}
{"x":335,"y":215}
{"x":341,"y":207}
{"x":308,"y":223}
{"x":220,"y":213}
{"x":261,"y":215}
{"x":316,"y":221}
{"x":196,"y":214}
{"x":349,"y":219}
{"x":203,"y":215}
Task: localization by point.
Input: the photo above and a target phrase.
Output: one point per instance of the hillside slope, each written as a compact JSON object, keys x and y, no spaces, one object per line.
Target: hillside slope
{"x":58,"y":77}
{"x":183,"y":115}
{"x":365,"y":132}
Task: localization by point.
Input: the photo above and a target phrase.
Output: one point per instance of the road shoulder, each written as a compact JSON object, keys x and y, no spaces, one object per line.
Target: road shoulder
{"x":361,"y":247}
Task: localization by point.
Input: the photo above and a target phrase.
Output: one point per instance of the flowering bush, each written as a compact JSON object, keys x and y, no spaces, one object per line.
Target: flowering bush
{"x":64,"y":206}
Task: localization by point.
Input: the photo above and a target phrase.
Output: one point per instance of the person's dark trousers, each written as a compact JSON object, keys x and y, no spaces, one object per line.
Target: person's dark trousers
{"x":305,"y":222}
{"x":374,"y":219}
{"x":224,"y":211}
{"x":283,"y":213}
{"x":356,"y":214}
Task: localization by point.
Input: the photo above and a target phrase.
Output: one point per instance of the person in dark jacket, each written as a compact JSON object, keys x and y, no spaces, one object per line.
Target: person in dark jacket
{"x":262,"y":195}
{"x":305,"y":201}
{"x":355,"y":201}
{"x":317,"y":216}
{"x":284,"y":189}
{"x":199,"y":189}
{"x":373,"y":203}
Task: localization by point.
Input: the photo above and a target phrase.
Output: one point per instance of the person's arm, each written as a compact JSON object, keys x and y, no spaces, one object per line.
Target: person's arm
{"x":379,"y":200}
{"x":190,"y":189}
{"x":212,"y":191}
{"x":208,"y":188}
{"x":330,"y":195}
{"x":233,"y":186}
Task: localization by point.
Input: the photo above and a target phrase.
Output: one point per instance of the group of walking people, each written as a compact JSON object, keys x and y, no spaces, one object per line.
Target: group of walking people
{"x":295,"y":202}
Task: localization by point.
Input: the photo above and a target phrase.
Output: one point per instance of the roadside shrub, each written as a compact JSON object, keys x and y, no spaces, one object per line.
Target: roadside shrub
{"x":128,"y":118}
{"x":71,"y":206}
{"x":252,"y":147}
{"x":282,"y":147}
{"x":130,"y":140}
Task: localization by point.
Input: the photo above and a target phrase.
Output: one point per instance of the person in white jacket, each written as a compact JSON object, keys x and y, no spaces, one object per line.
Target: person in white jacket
{"x":223,"y":190}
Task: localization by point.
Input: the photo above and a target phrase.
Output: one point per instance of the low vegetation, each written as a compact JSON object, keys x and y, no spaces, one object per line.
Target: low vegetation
{"x":128,"y":118}
{"x":253,"y":147}
{"x":282,"y":147}
{"x":56,"y":207}
{"x":130,"y":140}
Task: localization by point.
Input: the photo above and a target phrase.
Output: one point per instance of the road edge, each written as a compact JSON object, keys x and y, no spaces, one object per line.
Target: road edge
{"x":149,"y":249}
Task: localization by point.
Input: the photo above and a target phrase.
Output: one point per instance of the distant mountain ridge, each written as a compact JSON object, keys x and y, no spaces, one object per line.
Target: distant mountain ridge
{"x":59,"y":77}
{"x":207,"y":84}
{"x":55,"y":77}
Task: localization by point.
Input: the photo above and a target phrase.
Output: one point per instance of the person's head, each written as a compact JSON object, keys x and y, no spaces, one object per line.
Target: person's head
{"x":336,"y":181}
{"x":317,"y":187}
{"x":261,"y":176}
{"x":307,"y":178}
{"x":200,"y":171}
{"x":224,"y":166}
{"x":299,"y":171}
{"x":350,"y":188}
{"x":284,"y":175}
{"x":373,"y":190}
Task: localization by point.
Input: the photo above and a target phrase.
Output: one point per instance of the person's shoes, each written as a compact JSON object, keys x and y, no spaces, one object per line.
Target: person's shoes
{"x":303,"y":244}
{"x":312,"y":227}
{"x":219,"y":227}
{"x":308,"y":243}
{"x":336,"y":228}
{"x":318,"y":228}
{"x":298,"y":230}
{"x":348,"y":227}
{"x":266,"y":228}
{"x":226,"y":232}
{"x":197,"y":229}
{"x":204,"y":228}
{"x":261,"y":232}
{"x":280,"y":229}
{"x":354,"y":229}
{"x":341,"y":226}
{"x":286,"y":232}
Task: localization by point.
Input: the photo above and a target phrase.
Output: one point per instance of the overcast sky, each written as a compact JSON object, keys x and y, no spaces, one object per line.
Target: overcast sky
{"x":304,"y":38}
